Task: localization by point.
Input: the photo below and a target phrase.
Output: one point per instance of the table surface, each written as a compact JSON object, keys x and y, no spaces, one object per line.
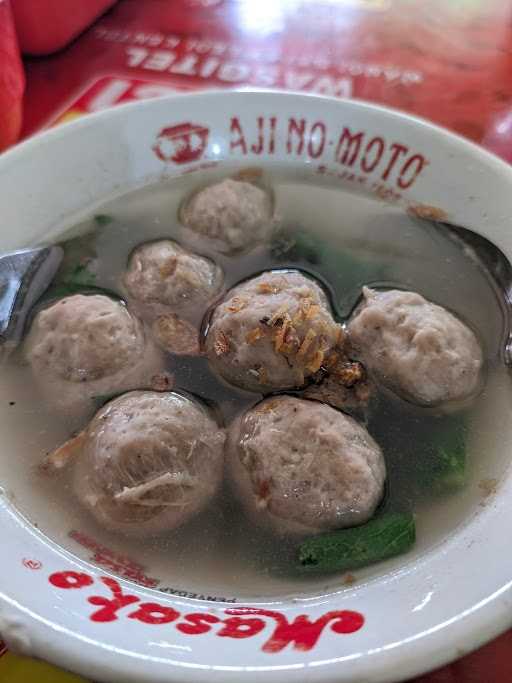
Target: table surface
{"x":449,"y":62}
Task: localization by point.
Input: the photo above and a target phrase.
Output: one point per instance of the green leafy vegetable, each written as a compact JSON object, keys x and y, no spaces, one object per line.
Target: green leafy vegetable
{"x":102,"y":219}
{"x":343,"y":270}
{"x":80,"y":275}
{"x":338,"y":551}
{"x":76,"y":274}
{"x":297,"y":246}
{"x":79,"y":254}
{"x":442,"y":467}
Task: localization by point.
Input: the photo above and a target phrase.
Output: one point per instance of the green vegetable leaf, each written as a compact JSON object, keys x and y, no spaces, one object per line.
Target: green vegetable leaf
{"x":81,"y":276}
{"x":381,"y":538}
{"x":442,"y":467}
{"x":344,"y":271}
{"x":102,"y":219}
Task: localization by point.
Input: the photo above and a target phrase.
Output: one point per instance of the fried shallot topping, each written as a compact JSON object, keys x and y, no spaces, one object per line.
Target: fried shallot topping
{"x":253,"y":336}
{"x":221,"y":345}
{"x":341,"y":382}
{"x":237,"y":304}
{"x":268,"y":288}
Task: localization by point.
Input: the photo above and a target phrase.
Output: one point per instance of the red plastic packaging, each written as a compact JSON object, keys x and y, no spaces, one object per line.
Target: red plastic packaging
{"x":12,"y":79}
{"x":45,"y":26}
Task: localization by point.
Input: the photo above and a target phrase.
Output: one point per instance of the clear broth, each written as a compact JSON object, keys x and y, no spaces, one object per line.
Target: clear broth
{"x":219,"y":554}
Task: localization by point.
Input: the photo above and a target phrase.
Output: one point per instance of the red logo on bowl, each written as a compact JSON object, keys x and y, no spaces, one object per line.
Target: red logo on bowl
{"x":182,"y":143}
{"x":111,"y":602}
{"x":32,"y":564}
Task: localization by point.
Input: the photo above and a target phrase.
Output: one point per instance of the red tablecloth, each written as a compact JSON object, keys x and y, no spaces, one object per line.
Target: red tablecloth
{"x":447,"y":61}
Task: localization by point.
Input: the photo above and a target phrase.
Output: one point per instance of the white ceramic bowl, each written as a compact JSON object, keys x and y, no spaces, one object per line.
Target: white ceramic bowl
{"x":406,"y":616}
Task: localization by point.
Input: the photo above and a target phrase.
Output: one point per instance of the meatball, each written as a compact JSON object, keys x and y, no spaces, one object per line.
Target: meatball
{"x":416,"y":348}
{"x":88,"y":345}
{"x":171,"y":288}
{"x":163,"y":277}
{"x":176,"y":335}
{"x":303,"y":467}
{"x":234,"y":213}
{"x":272,"y":332}
{"x":149,"y":462}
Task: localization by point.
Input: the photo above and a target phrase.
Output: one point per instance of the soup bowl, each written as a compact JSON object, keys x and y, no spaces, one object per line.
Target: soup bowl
{"x":84,"y":605}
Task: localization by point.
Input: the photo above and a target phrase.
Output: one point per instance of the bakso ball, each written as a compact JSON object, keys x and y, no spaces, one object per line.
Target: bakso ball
{"x":163,"y":278}
{"x":150,"y":461}
{"x":86,"y":345}
{"x":234,"y":213}
{"x":303,"y":467}
{"x":416,"y":348}
{"x":272,"y":332}
{"x":176,"y":335}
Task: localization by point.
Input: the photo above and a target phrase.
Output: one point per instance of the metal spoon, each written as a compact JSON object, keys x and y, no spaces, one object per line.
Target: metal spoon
{"x":497,"y":269}
{"x":24,"y":277}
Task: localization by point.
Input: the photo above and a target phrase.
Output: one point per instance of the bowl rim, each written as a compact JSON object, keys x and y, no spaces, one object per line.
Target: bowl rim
{"x":408,"y":657}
